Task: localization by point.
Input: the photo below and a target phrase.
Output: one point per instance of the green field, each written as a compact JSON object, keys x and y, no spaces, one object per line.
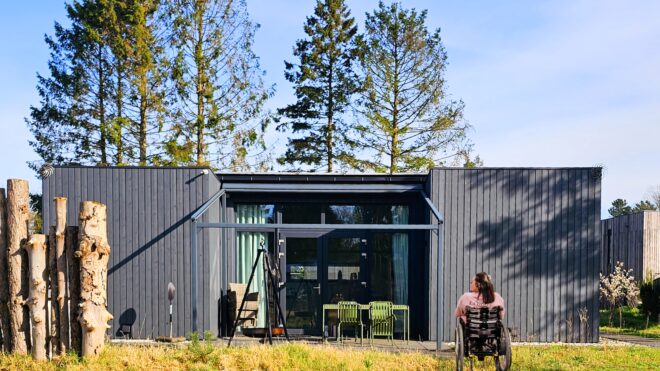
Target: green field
{"x":634,"y":323}
{"x":307,"y":357}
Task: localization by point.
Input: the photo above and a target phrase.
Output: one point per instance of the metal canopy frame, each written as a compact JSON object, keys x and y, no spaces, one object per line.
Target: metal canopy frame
{"x":388,"y":188}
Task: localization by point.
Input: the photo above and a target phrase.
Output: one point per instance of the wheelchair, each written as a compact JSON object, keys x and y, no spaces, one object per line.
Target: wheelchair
{"x":483,"y":335}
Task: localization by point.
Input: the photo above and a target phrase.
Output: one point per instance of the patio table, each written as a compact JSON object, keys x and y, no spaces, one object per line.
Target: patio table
{"x":396,"y":307}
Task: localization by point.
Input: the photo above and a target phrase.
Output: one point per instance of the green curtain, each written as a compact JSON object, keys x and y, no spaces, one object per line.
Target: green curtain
{"x":400,"y":256}
{"x":247,"y":244}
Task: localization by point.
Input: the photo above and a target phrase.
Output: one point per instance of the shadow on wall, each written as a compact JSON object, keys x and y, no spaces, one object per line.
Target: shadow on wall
{"x":538,"y":238}
{"x":126,"y":321}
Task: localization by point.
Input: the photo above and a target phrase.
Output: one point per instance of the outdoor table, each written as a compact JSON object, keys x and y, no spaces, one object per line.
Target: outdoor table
{"x":395,"y":307}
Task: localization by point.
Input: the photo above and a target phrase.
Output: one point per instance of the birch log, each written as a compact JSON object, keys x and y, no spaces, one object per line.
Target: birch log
{"x":60,"y":256}
{"x":94,"y":252}
{"x":4,"y":278}
{"x":52,"y":269}
{"x":18,"y":213}
{"x":36,"y":249}
{"x":74,"y":286}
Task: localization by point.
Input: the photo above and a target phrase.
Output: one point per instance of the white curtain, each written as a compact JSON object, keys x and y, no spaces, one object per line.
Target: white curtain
{"x":247,"y":244}
{"x":400,"y":256}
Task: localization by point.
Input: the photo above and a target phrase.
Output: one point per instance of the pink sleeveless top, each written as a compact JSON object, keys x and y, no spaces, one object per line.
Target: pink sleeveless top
{"x":473,"y":300}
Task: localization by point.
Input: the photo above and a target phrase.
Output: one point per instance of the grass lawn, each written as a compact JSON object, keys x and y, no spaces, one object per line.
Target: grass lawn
{"x":306,"y":357}
{"x":634,"y":323}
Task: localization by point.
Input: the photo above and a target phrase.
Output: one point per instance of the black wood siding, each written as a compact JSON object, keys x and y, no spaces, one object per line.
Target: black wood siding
{"x":535,"y":231}
{"x":149,"y":234}
{"x":634,"y":240}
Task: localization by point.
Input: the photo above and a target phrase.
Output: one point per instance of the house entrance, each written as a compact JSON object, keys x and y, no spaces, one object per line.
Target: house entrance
{"x":321,"y":267}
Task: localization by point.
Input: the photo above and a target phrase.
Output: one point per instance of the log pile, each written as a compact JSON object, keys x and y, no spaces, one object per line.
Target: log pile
{"x":70,"y":264}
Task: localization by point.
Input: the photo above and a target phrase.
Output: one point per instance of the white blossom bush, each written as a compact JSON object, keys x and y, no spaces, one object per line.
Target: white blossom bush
{"x":618,"y":289}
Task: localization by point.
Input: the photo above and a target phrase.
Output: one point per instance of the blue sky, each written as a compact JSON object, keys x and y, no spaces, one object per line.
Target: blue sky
{"x":545,"y":83}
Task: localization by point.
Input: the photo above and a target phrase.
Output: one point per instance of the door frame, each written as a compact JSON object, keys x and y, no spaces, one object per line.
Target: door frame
{"x":322,"y":237}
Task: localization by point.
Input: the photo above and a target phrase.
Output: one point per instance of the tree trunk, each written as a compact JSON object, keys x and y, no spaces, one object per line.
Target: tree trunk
{"x":18,"y":212}
{"x":200,"y":86}
{"x":60,"y":256}
{"x":52,"y":271}
{"x":74,"y":287}
{"x":142,"y":140}
{"x":36,"y":249}
{"x":4,"y":278}
{"x":94,"y":252}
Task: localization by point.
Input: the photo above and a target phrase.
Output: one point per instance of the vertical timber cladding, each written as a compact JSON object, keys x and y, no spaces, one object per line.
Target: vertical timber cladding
{"x":634,"y":240}
{"x":536,"y":232}
{"x":149,"y":232}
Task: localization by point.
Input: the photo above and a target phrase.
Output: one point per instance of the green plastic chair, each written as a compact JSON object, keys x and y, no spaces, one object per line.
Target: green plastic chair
{"x":381,"y":316}
{"x":349,"y":315}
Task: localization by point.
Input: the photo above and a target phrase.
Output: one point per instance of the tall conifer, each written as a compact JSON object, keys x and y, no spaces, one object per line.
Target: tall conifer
{"x":410,"y":124}
{"x":220,"y":92}
{"x":325,"y":80}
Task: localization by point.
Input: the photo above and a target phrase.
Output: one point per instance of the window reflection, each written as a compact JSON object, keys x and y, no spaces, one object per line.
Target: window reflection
{"x":255,"y":214}
{"x":367,"y":214}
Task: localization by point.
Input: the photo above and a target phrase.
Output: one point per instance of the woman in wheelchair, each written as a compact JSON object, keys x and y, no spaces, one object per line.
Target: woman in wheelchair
{"x":482,"y":295}
{"x":480,"y":331}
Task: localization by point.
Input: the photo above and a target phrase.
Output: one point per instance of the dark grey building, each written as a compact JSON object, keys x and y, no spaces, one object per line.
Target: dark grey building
{"x":633,"y":240}
{"x":339,"y":237}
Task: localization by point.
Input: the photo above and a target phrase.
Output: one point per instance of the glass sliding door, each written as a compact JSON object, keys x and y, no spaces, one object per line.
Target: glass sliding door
{"x":303,"y":285}
{"x":345,"y":266}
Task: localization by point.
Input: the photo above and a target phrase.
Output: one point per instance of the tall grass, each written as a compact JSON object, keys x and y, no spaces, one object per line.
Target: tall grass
{"x":307,"y":357}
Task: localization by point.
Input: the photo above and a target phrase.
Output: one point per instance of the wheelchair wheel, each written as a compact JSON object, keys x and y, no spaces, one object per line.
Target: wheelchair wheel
{"x":503,"y":360}
{"x":460,"y":348}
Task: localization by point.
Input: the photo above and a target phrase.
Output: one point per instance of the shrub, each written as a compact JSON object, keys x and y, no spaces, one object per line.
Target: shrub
{"x":619,"y":288}
{"x":649,"y":292}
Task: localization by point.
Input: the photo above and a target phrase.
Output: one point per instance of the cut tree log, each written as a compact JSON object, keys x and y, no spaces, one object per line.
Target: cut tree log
{"x":54,"y":329}
{"x":74,"y":287}
{"x":36,"y":248}
{"x":94,"y":253}
{"x":18,"y":216}
{"x":4,"y":278}
{"x":60,"y":256}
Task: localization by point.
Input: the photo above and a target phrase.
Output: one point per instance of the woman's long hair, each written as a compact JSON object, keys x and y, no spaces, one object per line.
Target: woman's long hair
{"x":485,"y":287}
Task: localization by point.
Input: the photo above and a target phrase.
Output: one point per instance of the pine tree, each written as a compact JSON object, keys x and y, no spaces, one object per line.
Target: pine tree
{"x":410,"y":124}
{"x":619,"y":207}
{"x":644,"y":205}
{"x":218,"y":81}
{"x":103,"y":100}
{"x":80,"y":118}
{"x":71,"y":123}
{"x":147,"y":94}
{"x":325,"y":81}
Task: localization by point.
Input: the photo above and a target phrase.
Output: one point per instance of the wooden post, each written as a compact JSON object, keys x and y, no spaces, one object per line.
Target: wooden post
{"x":94,"y":252}
{"x":18,"y":215}
{"x":74,"y":287}
{"x":4,"y":278}
{"x":60,"y":256}
{"x":36,"y":248}
{"x":52,"y":269}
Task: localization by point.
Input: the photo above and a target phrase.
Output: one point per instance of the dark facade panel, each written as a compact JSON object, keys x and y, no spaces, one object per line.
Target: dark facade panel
{"x":634,"y":240}
{"x":149,"y":233}
{"x":535,"y":231}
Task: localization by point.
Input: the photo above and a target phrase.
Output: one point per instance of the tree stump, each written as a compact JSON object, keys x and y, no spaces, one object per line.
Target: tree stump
{"x":4,"y":278}
{"x":94,"y":253}
{"x":60,"y":256}
{"x":18,"y":215}
{"x":36,"y":248}
{"x":74,"y":286}
{"x":52,"y":269}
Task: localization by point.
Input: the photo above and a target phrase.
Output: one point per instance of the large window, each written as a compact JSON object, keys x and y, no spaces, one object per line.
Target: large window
{"x":300,"y":213}
{"x":247,"y":246}
{"x":255,"y":214}
{"x":366,"y":214}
